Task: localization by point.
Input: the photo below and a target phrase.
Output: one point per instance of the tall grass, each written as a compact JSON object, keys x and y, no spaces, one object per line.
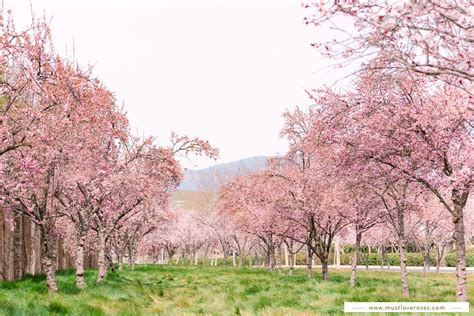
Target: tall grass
{"x":176,"y":290}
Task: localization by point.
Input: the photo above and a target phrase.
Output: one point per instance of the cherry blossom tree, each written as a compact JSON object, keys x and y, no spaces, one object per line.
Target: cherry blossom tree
{"x":431,"y":226}
{"x":66,"y":152}
{"x":364,"y":213}
{"x":251,"y":201}
{"x":34,"y":174}
{"x":27,"y":72}
{"x":433,"y":38}
{"x":318,"y":197}
{"x":418,"y":133}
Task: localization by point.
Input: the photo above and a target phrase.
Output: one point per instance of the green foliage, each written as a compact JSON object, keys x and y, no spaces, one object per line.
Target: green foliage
{"x":301,"y":259}
{"x":413,"y":259}
{"x":451,"y":259}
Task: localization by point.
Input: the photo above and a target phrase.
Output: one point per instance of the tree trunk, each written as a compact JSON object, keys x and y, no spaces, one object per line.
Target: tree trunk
{"x":461,"y":284}
{"x":324,"y":266}
{"x":154,"y":257}
{"x":32,"y":242}
{"x":366,"y":260}
{"x":59,"y":255}
{"x":49,"y":259}
{"x":266,"y":260}
{"x":337,"y":254}
{"x":80,"y":262}
{"x":403,"y":269}
{"x":382,"y":257}
{"x":2,"y":246}
{"x":278,"y":258}
{"x":402,"y":246}
{"x":355,"y":255}
{"x":8,"y":254}
{"x":177,"y":259}
{"x":234,"y":261}
{"x":226,"y":256}
{"x":439,"y":256}
{"x":169,"y":257}
{"x":120,"y":261}
{"x":190,"y":255}
{"x":110,"y":258}
{"x":291,"y":258}
{"x":309,"y":263}
{"x":426,"y":257}
{"x":101,"y":261}
{"x":17,"y":247}
{"x":133,"y":258}
{"x":292,"y":263}
{"x":271,"y":254}
{"x":26,"y":244}
{"x":385,"y":257}
{"x":183,"y":255}
{"x":129,"y":255}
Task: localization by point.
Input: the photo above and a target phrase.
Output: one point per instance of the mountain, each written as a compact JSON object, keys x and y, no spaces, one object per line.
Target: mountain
{"x":210,"y":179}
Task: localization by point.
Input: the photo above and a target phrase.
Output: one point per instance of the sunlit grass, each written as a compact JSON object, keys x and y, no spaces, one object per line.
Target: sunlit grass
{"x":176,"y":290}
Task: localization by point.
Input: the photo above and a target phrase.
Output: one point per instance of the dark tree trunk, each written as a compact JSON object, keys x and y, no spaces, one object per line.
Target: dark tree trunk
{"x":366,"y":259}
{"x":133,"y":258}
{"x":278,"y":257}
{"x":17,"y":247}
{"x":324,"y":266}
{"x":309,"y":262}
{"x":120,"y":261}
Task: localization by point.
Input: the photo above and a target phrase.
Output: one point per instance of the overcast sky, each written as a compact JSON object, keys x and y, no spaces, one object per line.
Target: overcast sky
{"x":220,"y":70}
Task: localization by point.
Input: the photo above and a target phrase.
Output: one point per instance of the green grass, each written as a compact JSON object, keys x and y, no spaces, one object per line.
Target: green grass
{"x":176,"y":290}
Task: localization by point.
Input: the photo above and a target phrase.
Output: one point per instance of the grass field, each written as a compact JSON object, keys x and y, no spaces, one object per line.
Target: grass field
{"x":174,"y":290}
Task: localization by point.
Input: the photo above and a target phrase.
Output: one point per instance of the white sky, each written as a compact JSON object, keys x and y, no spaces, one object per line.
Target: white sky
{"x":220,"y":70}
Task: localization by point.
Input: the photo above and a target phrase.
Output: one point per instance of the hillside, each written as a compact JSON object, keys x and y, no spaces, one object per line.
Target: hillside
{"x":210,"y":179}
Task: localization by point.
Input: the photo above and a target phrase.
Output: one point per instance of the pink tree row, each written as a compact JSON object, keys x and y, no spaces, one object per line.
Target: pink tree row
{"x":393,"y":153}
{"x":409,"y":115}
{"x":386,"y":161}
{"x":67,"y":159}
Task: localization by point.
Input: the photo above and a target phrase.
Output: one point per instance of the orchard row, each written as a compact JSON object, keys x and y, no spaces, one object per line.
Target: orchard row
{"x":68,"y":160}
{"x":386,"y":160}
